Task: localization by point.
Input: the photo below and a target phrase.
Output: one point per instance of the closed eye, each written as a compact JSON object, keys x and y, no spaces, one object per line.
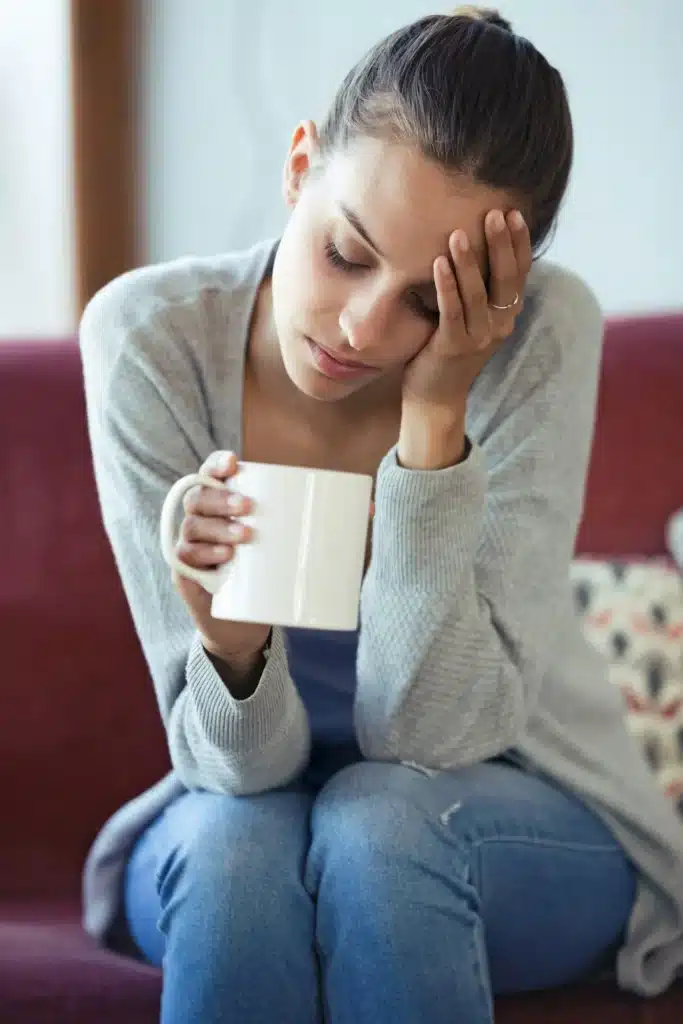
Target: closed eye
{"x":347,"y":266}
{"x":423,"y":310}
{"x":339,"y":261}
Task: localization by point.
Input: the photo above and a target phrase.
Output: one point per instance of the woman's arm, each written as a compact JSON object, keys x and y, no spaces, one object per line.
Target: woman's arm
{"x":148,"y":426}
{"x":469,"y":571}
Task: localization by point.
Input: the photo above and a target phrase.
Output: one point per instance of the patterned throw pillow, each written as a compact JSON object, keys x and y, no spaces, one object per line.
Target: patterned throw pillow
{"x":632,"y":612}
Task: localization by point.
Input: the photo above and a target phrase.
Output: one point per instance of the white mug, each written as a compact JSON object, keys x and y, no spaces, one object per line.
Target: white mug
{"x":304,"y":565}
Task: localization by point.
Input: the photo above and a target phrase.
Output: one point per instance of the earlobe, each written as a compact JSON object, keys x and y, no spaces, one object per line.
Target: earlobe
{"x":302,"y":152}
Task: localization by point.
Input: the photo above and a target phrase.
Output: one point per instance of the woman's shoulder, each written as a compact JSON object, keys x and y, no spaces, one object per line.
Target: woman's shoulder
{"x":556,"y":296}
{"x":181,"y":301}
{"x":552,"y":357}
{"x":558,"y":333}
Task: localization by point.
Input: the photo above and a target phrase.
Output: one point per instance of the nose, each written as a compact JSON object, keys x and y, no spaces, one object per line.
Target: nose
{"x":365,"y":324}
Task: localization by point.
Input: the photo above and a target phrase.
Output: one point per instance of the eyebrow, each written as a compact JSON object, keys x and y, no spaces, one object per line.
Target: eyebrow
{"x":356,"y":223}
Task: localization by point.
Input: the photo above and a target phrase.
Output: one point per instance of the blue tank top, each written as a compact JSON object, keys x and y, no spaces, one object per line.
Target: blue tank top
{"x":323,"y":667}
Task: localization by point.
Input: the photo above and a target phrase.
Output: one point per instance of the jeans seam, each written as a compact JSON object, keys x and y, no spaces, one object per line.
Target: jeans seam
{"x":479,"y":957}
{"x":552,"y":844}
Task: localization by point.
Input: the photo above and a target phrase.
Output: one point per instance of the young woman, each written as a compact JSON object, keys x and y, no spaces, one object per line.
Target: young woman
{"x":399,"y":824}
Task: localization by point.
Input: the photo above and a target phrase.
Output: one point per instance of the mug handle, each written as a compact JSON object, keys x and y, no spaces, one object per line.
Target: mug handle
{"x":211,"y":579}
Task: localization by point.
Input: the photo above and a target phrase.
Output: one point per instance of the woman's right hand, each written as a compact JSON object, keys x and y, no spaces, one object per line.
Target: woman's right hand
{"x":210,"y":532}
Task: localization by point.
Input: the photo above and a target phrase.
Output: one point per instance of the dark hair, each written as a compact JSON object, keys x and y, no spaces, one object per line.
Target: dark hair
{"x":474,"y":97}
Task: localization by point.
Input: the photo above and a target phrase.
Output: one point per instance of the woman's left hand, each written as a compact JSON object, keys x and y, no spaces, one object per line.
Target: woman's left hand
{"x":470,"y":326}
{"x":437,"y":382}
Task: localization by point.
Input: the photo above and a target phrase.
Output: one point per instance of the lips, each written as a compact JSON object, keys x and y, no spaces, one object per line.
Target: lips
{"x":350,"y":363}
{"x":334,"y":367}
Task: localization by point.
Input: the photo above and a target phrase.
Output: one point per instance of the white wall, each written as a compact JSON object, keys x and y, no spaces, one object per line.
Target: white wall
{"x":36,"y":205}
{"x":224,"y":82}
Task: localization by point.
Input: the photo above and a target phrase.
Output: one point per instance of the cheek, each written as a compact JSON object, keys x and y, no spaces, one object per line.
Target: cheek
{"x":308,"y":283}
{"x":292,"y":275}
{"x":410,"y":337}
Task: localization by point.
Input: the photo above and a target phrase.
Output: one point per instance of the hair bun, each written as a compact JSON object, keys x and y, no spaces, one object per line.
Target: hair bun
{"x":487,"y":14}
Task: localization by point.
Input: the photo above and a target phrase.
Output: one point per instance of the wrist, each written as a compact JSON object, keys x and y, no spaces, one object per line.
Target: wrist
{"x":238,"y":659}
{"x":241,"y":669}
{"x":432,"y":440}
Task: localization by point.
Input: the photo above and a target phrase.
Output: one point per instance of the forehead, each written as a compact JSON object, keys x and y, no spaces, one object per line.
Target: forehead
{"x":409,"y":205}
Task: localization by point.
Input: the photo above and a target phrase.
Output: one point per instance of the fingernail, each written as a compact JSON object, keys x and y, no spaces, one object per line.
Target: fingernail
{"x":516,"y":219}
{"x":462,"y":241}
{"x":234,"y":502}
{"x":497,"y":220}
{"x":235,"y":531}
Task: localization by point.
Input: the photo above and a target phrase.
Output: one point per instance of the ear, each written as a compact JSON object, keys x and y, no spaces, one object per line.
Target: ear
{"x":302,"y":153}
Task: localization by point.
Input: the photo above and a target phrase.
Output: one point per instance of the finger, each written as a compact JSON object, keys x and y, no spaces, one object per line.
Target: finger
{"x":204,"y":556}
{"x":220,"y":464}
{"x":521,"y":244}
{"x":505,"y":278}
{"x":211,"y":501}
{"x":475,"y":301}
{"x":447,"y":294}
{"x":205,"y":530}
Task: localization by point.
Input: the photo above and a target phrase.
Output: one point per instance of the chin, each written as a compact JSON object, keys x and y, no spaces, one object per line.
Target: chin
{"x":307,"y":379}
{"x":317,"y":387}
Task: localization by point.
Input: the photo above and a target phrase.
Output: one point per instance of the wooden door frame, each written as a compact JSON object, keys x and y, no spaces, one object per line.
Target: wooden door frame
{"x":104,"y":131}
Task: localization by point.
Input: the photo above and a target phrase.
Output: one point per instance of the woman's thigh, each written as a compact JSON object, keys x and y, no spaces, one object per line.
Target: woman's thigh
{"x":216,"y":854}
{"x":556,"y":888}
{"x":552,"y":887}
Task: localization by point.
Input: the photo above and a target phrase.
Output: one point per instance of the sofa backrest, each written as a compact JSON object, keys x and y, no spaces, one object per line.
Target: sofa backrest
{"x":636,"y":474}
{"x":79,"y":728}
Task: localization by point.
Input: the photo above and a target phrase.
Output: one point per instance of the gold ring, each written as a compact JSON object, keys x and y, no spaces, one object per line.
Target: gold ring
{"x":510,"y":305}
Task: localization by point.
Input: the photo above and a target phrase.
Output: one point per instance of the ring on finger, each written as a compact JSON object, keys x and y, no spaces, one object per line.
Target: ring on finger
{"x":510,"y":305}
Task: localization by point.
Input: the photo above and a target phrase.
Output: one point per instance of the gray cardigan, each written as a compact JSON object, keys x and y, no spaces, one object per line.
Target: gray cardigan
{"x":468,"y":645}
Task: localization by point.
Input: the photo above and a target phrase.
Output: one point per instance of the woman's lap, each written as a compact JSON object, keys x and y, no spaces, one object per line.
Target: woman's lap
{"x":553,"y":888}
{"x":546,"y":880}
{"x":204,"y":827}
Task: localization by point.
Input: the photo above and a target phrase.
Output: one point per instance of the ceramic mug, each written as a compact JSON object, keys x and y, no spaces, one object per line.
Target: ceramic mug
{"x":304,"y":566}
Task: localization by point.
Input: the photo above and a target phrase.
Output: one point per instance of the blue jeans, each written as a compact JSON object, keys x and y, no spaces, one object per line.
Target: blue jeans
{"x":386,"y":894}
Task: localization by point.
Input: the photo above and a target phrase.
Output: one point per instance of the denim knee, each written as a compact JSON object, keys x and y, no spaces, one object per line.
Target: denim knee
{"x":232,"y":866}
{"x":220,"y":878}
{"x":395,"y":908}
{"x":373,"y":831}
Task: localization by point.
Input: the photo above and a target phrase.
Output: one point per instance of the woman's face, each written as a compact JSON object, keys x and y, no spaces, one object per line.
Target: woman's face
{"x":352,"y":279}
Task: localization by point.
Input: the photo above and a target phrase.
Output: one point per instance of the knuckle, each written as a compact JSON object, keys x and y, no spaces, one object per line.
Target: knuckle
{"x":192,"y":499}
{"x":453,"y":313}
{"x":480,"y":303}
{"x":192,"y":528}
{"x":208,"y":501}
{"x":185,"y":553}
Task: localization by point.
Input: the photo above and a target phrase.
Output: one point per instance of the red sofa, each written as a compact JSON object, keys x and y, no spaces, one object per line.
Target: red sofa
{"x":79,"y":731}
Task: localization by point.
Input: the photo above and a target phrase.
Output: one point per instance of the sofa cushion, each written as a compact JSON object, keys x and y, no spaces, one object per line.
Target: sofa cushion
{"x":51,"y":971}
{"x":632,"y":612}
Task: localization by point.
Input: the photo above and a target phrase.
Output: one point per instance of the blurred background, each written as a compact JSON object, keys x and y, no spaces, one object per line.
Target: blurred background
{"x":142,"y":130}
